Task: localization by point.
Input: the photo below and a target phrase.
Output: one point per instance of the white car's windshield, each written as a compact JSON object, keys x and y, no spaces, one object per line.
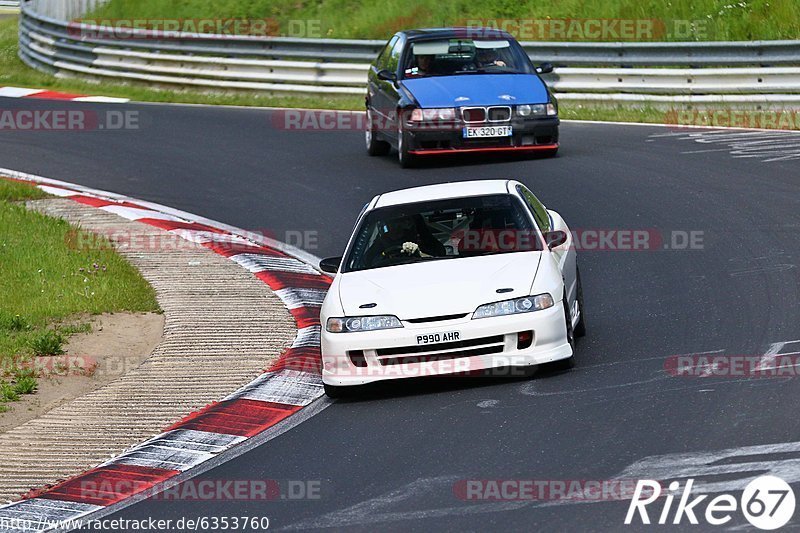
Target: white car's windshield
{"x":442,"y":229}
{"x":446,"y":57}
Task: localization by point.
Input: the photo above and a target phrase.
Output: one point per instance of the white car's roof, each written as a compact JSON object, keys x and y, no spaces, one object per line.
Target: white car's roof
{"x":442,"y":191}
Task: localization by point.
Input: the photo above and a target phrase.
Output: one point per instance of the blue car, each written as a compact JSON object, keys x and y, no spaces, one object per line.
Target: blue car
{"x":452,"y":90}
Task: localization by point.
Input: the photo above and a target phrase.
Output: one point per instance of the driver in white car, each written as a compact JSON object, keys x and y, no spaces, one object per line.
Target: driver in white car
{"x":403,"y":236}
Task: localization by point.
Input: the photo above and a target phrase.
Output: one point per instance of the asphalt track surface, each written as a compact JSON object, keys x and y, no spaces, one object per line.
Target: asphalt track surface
{"x":389,"y":461}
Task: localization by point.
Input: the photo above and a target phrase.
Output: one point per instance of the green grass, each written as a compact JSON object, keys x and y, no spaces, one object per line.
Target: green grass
{"x":44,"y":282}
{"x":721,"y":19}
{"x":13,"y":191}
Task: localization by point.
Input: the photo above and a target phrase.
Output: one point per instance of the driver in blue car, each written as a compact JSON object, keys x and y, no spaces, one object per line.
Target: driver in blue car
{"x":486,"y":57}
{"x":424,"y":66}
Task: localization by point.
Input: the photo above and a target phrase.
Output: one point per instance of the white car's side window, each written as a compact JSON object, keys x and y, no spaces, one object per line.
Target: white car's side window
{"x":537,"y":208}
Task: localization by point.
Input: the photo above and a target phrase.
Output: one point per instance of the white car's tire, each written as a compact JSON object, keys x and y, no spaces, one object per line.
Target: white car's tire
{"x":566,"y":364}
{"x":580,"y":327}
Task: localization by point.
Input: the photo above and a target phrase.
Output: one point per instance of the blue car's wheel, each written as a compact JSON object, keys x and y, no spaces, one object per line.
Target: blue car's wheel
{"x":407,"y":160}
{"x":375,"y":146}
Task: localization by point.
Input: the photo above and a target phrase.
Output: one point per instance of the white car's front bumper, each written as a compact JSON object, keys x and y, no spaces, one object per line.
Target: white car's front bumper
{"x":482,"y":344}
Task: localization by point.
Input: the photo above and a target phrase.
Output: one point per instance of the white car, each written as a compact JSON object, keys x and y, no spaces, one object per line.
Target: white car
{"x":450,"y":279}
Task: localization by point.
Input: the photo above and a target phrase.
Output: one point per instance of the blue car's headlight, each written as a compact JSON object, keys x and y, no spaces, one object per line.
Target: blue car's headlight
{"x":527,"y":304}
{"x":444,"y":113}
{"x":349,"y":324}
{"x":527,"y":110}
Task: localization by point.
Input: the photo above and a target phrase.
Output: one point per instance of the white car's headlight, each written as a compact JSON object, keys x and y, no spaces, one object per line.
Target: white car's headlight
{"x":511,"y":307}
{"x":362,"y":323}
{"x":445,"y":113}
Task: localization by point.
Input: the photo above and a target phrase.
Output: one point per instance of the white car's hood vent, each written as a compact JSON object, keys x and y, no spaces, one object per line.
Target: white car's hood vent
{"x":439,"y":288}
{"x":441,"y":318}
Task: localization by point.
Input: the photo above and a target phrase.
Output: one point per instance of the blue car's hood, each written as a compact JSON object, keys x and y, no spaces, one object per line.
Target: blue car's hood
{"x":477,"y":89}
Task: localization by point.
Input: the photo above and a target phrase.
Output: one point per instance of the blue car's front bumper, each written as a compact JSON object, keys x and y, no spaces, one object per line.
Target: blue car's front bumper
{"x":529,"y":134}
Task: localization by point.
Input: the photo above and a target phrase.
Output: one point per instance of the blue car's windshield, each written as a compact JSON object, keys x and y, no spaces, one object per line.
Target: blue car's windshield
{"x":449,"y":57}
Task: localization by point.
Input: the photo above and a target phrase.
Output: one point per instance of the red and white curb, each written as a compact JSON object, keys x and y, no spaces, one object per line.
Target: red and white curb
{"x":290,"y":384}
{"x":42,"y":94}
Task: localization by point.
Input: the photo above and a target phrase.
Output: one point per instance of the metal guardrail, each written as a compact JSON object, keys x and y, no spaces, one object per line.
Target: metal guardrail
{"x":333,"y":66}
{"x":9,"y":4}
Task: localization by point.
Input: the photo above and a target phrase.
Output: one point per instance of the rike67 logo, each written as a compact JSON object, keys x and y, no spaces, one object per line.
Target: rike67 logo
{"x":767,"y":503}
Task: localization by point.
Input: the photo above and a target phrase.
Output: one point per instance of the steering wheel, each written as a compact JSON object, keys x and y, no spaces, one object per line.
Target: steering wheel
{"x":396,"y":250}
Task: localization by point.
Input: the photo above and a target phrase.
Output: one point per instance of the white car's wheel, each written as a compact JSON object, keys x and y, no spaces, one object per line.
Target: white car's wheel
{"x":580,"y":328}
{"x":566,"y":364}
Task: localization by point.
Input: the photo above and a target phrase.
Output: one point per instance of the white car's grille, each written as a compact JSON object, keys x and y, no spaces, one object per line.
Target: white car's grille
{"x":441,"y":351}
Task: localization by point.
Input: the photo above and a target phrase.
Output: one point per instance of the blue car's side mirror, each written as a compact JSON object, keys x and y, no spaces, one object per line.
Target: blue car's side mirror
{"x":545,"y":68}
{"x":387,"y":75}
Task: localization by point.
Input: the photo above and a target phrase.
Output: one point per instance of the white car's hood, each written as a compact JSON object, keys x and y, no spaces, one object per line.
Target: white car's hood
{"x":436,"y":288}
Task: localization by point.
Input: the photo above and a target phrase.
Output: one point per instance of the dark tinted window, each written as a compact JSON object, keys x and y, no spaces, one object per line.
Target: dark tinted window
{"x":383,"y":57}
{"x":394,"y":56}
{"x":538,"y":209}
{"x":445,"y":57}
{"x":442,"y":229}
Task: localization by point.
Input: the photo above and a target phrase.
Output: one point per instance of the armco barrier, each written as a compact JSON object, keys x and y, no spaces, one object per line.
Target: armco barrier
{"x":765,"y":70}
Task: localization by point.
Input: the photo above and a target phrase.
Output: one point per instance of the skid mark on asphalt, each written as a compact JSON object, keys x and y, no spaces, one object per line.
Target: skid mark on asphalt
{"x":768,"y":146}
{"x":770,"y":358}
{"x":716,"y":471}
{"x":529,"y":389}
{"x":379,"y":509}
{"x":762,"y":265}
{"x":766,"y":269}
{"x":739,"y":466}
